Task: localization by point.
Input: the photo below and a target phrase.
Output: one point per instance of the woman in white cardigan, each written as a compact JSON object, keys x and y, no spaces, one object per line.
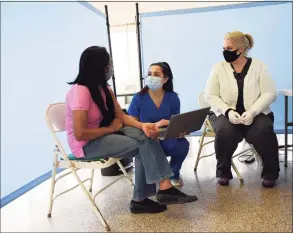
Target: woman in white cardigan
{"x":240,"y":91}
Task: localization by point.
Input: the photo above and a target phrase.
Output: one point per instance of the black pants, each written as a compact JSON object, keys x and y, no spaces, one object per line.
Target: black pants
{"x":260,"y":134}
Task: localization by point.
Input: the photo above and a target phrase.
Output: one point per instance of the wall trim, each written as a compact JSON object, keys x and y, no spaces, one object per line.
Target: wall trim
{"x":211,"y":8}
{"x":29,"y":186}
{"x":92,"y":8}
{"x":277,"y":131}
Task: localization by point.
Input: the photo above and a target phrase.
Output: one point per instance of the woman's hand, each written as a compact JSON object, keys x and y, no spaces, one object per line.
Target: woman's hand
{"x":116,"y":125}
{"x":162,"y":123}
{"x":151,"y":130}
{"x":234,"y":117}
{"x":247,"y":118}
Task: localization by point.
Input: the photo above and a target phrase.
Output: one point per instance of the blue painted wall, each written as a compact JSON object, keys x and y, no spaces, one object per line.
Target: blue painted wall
{"x":191,"y":41}
{"x":41,"y":43}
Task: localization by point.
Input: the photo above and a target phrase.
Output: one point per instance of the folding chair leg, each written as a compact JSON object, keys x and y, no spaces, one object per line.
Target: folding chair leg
{"x":53,"y":182}
{"x":95,"y":207}
{"x":200,"y":149}
{"x":237,"y":173}
{"x":256,"y":155}
{"x":91,"y":180}
{"x":125,"y":172}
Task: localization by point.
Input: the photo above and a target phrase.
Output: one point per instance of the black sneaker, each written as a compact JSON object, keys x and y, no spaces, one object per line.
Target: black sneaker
{"x":146,"y":206}
{"x":223,"y":181}
{"x":268,"y":183}
{"x":174,"y":196}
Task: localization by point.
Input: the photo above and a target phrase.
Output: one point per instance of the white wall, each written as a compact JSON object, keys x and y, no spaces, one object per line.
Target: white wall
{"x":191,"y":41}
{"x":40,"y":48}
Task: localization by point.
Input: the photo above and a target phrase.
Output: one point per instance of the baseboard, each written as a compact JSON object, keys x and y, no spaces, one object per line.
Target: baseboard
{"x":277,"y":131}
{"x":282,"y":131}
{"x":24,"y":189}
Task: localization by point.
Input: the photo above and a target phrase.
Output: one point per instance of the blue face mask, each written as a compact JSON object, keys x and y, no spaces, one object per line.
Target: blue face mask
{"x":154,"y":83}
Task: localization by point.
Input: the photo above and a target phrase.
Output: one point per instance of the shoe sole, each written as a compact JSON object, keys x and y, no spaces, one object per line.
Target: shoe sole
{"x":225,"y":184}
{"x":268,"y":186}
{"x":176,"y":202}
{"x":146,"y":212}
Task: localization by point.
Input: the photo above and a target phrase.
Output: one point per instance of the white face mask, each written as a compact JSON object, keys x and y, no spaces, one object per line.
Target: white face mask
{"x":154,"y":83}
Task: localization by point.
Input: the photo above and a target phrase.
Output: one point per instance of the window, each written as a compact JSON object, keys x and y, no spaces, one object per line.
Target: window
{"x":125,"y":58}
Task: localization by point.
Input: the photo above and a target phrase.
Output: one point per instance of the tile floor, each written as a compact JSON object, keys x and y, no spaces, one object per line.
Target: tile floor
{"x":236,"y":208}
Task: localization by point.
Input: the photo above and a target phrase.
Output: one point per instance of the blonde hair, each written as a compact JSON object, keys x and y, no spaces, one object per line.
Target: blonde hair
{"x":241,"y":39}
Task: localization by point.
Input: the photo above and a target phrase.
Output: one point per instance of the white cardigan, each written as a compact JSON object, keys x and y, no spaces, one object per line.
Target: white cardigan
{"x":259,"y":90}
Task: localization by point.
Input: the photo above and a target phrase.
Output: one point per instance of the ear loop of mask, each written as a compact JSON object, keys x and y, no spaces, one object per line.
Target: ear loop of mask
{"x":242,"y":46}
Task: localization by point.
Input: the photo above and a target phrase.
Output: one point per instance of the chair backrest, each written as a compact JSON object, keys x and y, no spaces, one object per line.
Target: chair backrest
{"x":203,"y":104}
{"x":201,"y":101}
{"x":56,"y":121}
{"x":56,"y":117}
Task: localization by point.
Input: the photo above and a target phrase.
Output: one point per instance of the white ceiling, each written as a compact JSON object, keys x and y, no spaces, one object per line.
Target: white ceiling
{"x":121,"y":12}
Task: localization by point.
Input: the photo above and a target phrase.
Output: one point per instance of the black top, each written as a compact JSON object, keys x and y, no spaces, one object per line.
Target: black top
{"x":240,"y":83}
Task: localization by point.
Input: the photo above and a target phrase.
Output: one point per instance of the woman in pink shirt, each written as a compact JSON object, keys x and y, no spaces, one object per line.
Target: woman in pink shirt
{"x":97,"y":127}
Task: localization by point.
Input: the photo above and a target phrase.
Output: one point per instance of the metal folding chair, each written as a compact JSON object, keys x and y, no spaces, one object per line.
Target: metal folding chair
{"x":56,"y":119}
{"x":209,"y":132}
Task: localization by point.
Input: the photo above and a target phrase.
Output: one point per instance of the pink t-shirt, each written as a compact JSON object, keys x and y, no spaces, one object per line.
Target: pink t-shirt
{"x":79,"y":98}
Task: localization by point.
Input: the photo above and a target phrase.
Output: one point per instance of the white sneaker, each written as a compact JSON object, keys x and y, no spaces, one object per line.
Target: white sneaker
{"x":177,"y":183}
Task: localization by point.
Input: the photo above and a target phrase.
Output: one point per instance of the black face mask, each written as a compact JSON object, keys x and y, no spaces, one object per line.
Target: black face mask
{"x":230,"y":56}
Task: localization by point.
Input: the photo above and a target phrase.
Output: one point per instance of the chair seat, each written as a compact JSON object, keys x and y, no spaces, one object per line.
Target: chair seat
{"x":73,"y":158}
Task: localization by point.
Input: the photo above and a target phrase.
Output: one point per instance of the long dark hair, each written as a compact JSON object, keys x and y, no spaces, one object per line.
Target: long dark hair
{"x":166,"y":70}
{"x":93,"y":63}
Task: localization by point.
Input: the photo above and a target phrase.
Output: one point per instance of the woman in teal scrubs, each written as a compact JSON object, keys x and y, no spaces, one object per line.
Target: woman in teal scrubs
{"x":156,"y":103}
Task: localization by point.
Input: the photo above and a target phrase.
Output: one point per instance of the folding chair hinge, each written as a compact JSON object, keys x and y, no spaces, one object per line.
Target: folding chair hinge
{"x":56,"y":149}
{"x":71,"y":165}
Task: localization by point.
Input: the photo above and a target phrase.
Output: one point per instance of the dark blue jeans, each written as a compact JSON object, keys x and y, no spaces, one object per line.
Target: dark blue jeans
{"x":151,"y":164}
